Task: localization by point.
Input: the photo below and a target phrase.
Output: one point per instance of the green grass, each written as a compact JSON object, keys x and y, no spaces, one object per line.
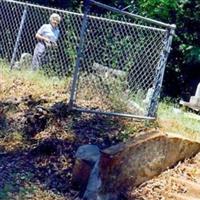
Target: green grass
{"x":176,"y":119}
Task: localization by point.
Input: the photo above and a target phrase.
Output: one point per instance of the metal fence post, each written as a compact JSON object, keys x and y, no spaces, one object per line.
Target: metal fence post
{"x":79,"y":55}
{"x":18,"y":37}
{"x":153,"y":105}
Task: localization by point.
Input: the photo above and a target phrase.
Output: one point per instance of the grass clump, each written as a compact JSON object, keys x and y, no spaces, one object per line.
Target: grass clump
{"x":173,"y":118}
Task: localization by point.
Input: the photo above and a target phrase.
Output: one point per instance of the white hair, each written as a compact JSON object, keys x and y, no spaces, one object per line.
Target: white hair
{"x":55,"y":16}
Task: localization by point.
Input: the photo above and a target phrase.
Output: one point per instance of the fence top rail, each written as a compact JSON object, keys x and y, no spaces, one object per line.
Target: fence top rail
{"x":128,"y":23}
{"x":172,"y":26}
{"x":90,"y":16}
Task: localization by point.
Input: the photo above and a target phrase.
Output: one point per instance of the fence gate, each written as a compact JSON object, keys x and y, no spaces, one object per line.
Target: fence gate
{"x":116,"y":60}
{"x":120,"y":64}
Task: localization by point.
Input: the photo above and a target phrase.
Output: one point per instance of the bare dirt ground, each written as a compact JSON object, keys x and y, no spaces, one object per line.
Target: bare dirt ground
{"x":37,"y":149}
{"x":39,"y":138}
{"x":180,"y":183}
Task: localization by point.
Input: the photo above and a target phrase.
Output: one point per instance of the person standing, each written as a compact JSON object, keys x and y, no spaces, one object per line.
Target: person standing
{"x":47,"y":37}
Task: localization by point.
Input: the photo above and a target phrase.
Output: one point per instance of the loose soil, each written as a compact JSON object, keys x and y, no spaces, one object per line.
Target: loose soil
{"x":180,"y":183}
{"x":39,"y":138}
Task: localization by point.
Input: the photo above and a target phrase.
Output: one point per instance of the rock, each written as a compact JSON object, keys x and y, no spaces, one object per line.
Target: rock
{"x":86,"y":157}
{"x":108,"y":71}
{"x":148,"y":96}
{"x":197,"y":93}
{"x":94,"y":183}
{"x":190,"y":105}
{"x":24,"y":62}
{"x":127,"y":165}
{"x":194,"y":102}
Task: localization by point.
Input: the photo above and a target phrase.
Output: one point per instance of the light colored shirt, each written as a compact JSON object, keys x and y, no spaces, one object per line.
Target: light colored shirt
{"x":48,"y":31}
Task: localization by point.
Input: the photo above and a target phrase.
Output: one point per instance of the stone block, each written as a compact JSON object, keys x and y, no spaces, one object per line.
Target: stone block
{"x":195,"y":100}
{"x":197,"y":93}
{"x":127,"y":165}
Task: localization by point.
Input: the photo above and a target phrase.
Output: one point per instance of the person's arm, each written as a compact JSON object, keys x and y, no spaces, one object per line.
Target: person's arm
{"x":42,"y":38}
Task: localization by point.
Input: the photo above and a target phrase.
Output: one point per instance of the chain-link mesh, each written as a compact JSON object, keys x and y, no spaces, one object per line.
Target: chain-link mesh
{"x":120,"y":55}
{"x":9,"y":23}
{"x":119,"y":65}
{"x":59,"y":60}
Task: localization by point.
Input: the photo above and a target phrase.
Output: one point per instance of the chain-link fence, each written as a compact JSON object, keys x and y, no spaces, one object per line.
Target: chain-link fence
{"x":116,"y":60}
{"x":19,"y":23}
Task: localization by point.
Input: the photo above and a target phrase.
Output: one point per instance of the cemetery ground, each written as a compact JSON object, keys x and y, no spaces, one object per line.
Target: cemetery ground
{"x":39,"y":139}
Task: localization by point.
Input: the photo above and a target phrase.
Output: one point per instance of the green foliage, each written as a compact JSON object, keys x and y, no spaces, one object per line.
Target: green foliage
{"x":161,"y":9}
{"x":185,"y":55}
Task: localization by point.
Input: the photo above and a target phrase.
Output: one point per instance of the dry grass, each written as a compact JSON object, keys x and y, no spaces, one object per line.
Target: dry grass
{"x":27,"y":83}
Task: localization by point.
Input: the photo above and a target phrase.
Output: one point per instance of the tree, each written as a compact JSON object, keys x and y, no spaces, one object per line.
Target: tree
{"x":184,"y":59}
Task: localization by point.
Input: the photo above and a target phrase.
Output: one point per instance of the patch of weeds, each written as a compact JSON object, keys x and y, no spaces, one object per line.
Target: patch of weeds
{"x":127,"y":132}
{"x":18,"y":188}
{"x":124,"y":135}
{"x":14,"y":137}
{"x":12,"y":141}
{"x":151,"y":124}
{"x":6,"y":191}
{"x":131,"y":128}
{"x":26,"y":176}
